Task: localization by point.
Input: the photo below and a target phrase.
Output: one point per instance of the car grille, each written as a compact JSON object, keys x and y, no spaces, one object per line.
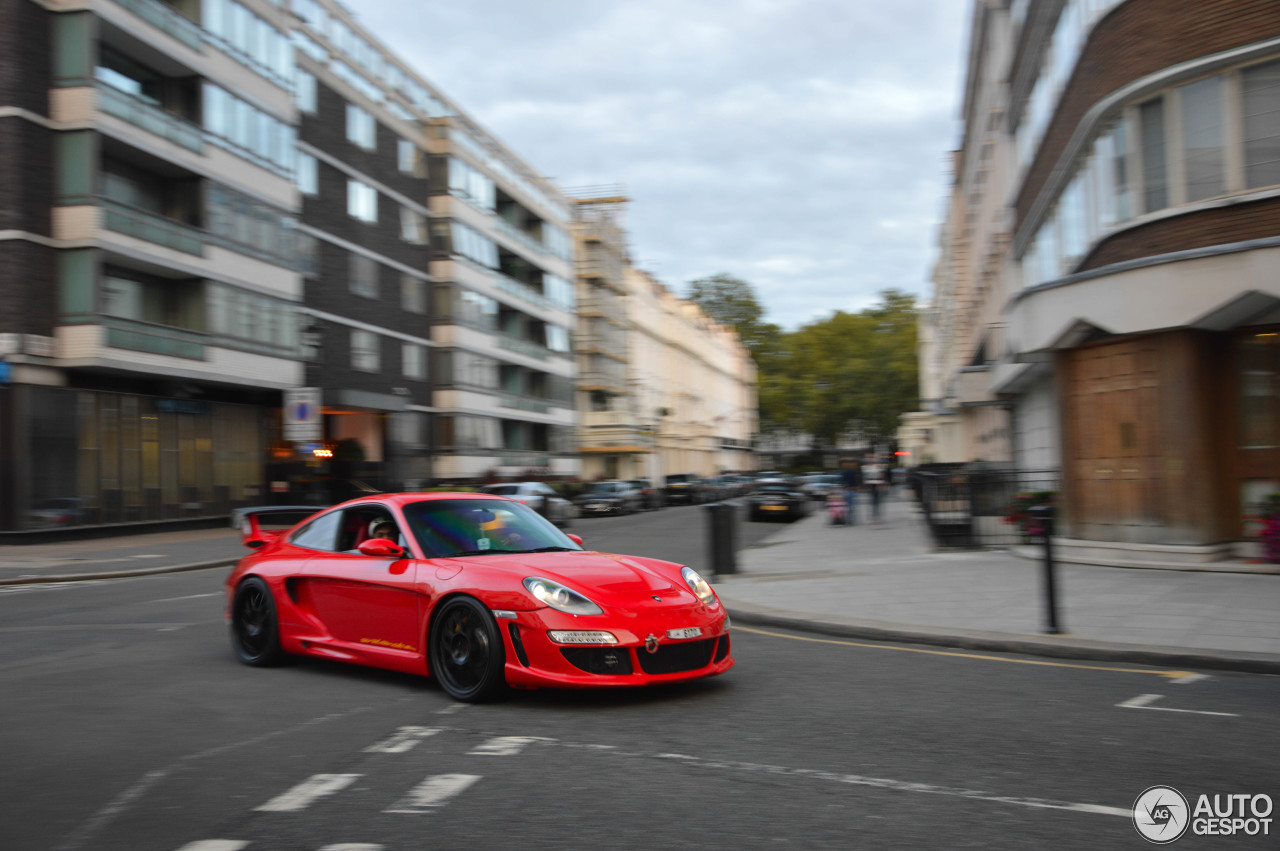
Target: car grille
{"x":676,"y":658}
{"x":722,"y":649}
{"x":599,"y":660}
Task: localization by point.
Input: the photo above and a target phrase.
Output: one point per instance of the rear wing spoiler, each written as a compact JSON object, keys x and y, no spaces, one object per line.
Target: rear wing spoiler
{"x":250,"y":522}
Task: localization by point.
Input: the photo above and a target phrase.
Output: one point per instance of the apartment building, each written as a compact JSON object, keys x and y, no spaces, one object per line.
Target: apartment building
{"x":1114,"y":287}
{"x":150,"y":266}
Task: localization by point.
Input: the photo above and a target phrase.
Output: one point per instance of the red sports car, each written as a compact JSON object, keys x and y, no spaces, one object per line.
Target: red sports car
{"x":481,"y":591}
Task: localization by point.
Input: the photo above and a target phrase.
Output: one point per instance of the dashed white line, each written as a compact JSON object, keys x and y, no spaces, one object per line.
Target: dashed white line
{"x":352,"y":846}
{"x":505,"y":745}
{"x":188,"y":597}
{"x":1144,"y":701}
{"x":403,"y":740}
{"x":452,"y":708}
{"x":433,"y":793}
{"x":308,"y":792}
{"x":1191,"y":678}
{"x":215,"y":845}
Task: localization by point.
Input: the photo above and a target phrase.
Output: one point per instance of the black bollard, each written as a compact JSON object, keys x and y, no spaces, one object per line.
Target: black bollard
{"x":1044,"y":516}
{"x":722,"y":555}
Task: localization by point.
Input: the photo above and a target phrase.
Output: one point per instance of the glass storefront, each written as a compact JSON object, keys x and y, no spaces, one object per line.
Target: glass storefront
{"x":86,"y":457}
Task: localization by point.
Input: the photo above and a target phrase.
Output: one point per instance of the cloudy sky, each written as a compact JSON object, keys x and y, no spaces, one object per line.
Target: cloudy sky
{"x":797,"y":144}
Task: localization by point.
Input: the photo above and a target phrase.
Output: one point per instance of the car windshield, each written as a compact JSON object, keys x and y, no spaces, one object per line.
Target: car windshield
{"x":446,"y":528}
{"x":605,"y":487}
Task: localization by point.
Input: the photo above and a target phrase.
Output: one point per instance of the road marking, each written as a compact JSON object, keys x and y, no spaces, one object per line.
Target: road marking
{"x":897,"y":785}
{"x":1191,"y":678}
{"x":505,"y":745}
{"x":1144,"y":701}
{"x":403,"y":740}
{"x":352,"y":846}
{"x":452,"y":708}
{"x":1171,"y":675}
{"x":215,"y":845}
{"x":188,"y":597}
{"x":433,"y":793}
{"x":307,"y":793}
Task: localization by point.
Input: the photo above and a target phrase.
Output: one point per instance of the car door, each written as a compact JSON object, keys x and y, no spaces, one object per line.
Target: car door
{"x":362,"y":600}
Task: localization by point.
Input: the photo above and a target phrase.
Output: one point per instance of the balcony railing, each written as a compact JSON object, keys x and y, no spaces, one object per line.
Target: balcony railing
{"x":152,"y":228}
{"x":527,"y":240}
{"x":523,"y":403}
{"x":143,"y":115}
{"x":165,"y":18}
{"x":529,"y":294}
{"x":160,"y":340}
{"x":523,"y":347}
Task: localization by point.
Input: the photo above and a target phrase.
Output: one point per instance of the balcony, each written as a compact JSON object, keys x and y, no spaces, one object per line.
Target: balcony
{"x":156,"y":339}
{"x":152,"y":119}
{"x":152,"y":228}
{"x":528,"y":293}
{"x":514,"y":233}
{"x":523,"y":347}
{"x":164,"y":18}
{"x":523,"y":403}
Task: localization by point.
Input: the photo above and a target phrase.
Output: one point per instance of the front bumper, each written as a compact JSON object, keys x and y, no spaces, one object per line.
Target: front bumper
{"x":534,"y":660}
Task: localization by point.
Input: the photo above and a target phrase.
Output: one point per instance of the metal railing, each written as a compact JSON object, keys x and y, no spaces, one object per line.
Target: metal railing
{"x":972,"y":507}
{"x":144,"y":337}
{"x":165,"y":18}
{"x":152,"y":228}
{"x":144,"y":116}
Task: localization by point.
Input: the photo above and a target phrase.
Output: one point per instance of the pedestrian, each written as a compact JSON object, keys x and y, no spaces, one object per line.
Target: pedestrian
{"x":873,"y":474}
{"x":851,"y":479}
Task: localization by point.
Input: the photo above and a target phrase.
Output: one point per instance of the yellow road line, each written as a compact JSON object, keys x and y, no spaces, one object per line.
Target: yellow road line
{"x":1171,"y":675}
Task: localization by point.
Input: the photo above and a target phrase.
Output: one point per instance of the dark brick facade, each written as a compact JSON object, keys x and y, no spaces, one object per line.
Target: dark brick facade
{"x":1198,"y":229}
{"x":26,"y":291}
{"x":1138,"y":38}
{"x":25,"y":55}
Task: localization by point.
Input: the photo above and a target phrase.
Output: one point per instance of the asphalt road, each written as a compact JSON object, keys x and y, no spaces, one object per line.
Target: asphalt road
{"x":128,"y":725}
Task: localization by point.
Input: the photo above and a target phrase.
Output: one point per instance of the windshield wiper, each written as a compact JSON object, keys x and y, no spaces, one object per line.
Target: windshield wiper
{"x":478,"y":553}
{"x":551,"y":550}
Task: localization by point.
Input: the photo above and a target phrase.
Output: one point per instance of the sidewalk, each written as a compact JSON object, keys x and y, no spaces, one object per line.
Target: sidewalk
{"x":883,"y":581}
{"x":107,"y":558}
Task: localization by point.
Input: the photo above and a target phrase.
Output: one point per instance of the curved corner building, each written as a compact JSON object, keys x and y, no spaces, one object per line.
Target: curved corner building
{"x":1111,"y":281}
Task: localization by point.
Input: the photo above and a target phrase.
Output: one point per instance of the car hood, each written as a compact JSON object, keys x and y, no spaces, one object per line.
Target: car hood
{"x":611,"y":580}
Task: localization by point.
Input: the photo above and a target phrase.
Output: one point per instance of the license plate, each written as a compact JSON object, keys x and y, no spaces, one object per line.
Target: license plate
{"x":687,"y":632}
{"x":774,"y":507}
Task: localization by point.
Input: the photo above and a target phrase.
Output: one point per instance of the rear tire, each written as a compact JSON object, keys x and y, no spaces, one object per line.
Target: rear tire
{"x":255,"y":628}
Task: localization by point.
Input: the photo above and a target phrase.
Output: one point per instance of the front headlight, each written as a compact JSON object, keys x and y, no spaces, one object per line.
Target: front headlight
{"x":698,"y":585}
{"x":560,"y":598}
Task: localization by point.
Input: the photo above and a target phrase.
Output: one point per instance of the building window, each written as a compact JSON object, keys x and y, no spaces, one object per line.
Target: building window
{"x":413,"y":226}
{"x":415,"y":361}
{"x":364,"y":351}
{"x":308,"y":177}
{"x":362,"y":201}
{"x":1261,"y":88}
{"x":409,"y":157}
{"x":361,"y":128}
{"x":1155,"y":188}
{"x":363,"y":278}
{"x":413,"y":294}
{"x":1202,"y":138}
{"x":305,"y":91}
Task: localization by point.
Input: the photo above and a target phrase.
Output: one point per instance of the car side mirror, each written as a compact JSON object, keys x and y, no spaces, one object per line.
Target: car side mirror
{"x":575,"y":539}
{"x":381,"y":547}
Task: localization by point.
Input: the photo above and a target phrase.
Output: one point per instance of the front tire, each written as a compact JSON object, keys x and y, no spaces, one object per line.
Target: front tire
{"x":466,"y":650}
{"x":255,"y":629}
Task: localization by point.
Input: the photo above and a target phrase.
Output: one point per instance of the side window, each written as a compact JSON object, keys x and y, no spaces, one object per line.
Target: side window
{"x":361,"y":524}
{"x":319,"y":534}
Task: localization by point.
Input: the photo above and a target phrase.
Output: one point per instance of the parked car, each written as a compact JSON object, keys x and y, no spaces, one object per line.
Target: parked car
{"x":651,"y":497}
{"x":776,"y":499}
{"x":539,"y":496}
{"x":610,"y":498}
{"x":59,"y":511}
{"x":818,"y":485}
{"x":476,"y":590}
{"x":685,"y":488}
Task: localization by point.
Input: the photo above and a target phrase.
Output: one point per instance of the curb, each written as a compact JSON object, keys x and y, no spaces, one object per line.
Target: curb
{"x":116,"y":574}
{"x":1062,"y":648}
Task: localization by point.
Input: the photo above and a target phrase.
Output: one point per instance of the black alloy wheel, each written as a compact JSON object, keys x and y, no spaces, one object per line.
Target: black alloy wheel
{"x":467,"y":655}
{"x":255,"y":630}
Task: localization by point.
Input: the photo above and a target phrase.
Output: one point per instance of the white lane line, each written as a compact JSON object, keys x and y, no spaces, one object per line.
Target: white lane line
{"x":215,"y":845}
{"x":1144,"y":701}
{"x":352,"y":846}
{"x":1191,"y":678}
{"x":188,"y":597}
{"x":307,"y":792}
{"x":452,"y":708}
{"x":432,"y":793}
{"x":403,"y":740}
{"x":897,"y":785}
{"x":505,"y":745}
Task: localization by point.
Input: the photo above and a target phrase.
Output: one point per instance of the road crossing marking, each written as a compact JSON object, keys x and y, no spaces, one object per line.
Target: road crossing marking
{"x":215,"y":845}
{"x":1171,"y":675}
{"x":308,"y":792}
{"x":403,"y":740}
{"x":505,"y":745}
{"x":432,"y":793}
{"x":1144,"y":701}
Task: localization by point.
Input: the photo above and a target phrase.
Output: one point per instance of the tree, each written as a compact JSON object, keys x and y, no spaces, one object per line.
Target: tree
{"x":732,"y":302}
